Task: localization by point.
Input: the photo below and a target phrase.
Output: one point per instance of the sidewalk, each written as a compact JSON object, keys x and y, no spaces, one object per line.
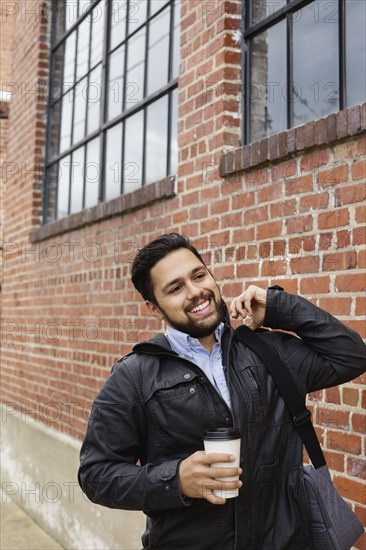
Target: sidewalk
{"x":19,"y":532}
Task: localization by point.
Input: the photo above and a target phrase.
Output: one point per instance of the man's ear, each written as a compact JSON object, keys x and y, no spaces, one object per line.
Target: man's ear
{"x":154,"y":310}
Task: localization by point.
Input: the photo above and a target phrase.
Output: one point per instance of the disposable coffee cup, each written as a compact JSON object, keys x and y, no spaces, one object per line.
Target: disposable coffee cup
{"x":224,"y":440}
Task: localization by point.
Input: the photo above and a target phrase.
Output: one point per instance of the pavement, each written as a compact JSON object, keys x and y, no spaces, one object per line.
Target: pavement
{"x":19,"y":532}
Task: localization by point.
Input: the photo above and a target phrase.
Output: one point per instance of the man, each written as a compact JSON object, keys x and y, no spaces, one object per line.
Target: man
{"x":144,"y":445}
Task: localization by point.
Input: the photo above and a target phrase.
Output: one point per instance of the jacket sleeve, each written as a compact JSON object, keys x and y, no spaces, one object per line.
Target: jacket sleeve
{"x":327,"y":353}
{"x":114,"y":443}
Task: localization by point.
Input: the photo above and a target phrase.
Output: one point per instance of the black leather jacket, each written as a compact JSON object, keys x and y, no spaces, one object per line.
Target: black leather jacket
{"x":155,"y":407}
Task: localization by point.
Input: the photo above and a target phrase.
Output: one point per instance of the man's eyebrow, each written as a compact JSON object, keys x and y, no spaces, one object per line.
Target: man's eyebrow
{"x":177,"y":279}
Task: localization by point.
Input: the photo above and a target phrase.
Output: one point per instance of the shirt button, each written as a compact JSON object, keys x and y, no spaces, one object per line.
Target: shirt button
{"x":227,"y":419}
{"x":167,"y":487}
{"x":192,"y":390}
{"x":186,"y":376}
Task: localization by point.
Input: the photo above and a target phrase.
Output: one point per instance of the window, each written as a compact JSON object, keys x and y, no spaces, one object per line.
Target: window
{"x":303,"y":60}
{"x":112,"y":113}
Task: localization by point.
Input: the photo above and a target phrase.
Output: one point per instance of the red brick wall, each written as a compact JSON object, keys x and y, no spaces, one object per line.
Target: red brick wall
{"x":295,"y":218}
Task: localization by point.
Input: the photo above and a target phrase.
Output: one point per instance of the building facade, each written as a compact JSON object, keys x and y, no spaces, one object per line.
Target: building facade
{"x":239,"y":124}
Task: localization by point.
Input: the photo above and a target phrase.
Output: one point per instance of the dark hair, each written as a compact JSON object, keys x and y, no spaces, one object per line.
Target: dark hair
{"x":150,"y":255}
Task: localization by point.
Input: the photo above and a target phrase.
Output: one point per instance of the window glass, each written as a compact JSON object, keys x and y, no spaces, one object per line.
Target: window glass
{"x":259,"y":9}
{"x":132,"y":173}
{"x":66,"y":119}
{"x":115,"y":82}
{"x":53,"y":139}
{"x":71,"y":13}
{"x":135,"y":69}
{"x":69,"y":62}
{"x":97,"y":34}
{"x":156,"y":5}
{"x":92,"y":172}
{"x":173,"y":133}
{"x":355,"y":51}
{"x":118,"y":22}
{"x":267,"y":94}
{"x":63,"y":187}
{"x":156,"y":140}
{"x":77,"y":180}
{"x":158,"y":62}
{"x":94,"y":99}
{"x":81,"y":90}
{"x":315,"y":37}
{"x":137,"y":14}
{"x":113,"y":162}
{"x":83,"y":48}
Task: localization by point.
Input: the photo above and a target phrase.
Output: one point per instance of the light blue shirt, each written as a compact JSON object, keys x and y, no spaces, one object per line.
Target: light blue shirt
{"x":210,"y":363}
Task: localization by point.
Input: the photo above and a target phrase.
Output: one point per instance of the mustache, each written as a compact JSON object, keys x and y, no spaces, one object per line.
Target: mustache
{"x":194,"y":303}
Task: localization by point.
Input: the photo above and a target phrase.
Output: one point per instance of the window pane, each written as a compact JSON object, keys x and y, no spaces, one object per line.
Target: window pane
{"x":71,"y":13}
{"x":137,"y":14}
{"x":156,"y":140}
{"x":355,"y":52}
{"x":315,"y":54}
{"x":267,"y":94}
{"x":263,"y":8}
{"x":51,"y":183}
{"x":132,"y":178}
{"x":69,"y":63}
{"x":97,"y":18}
{"x":155,"y":5}
{"x":92,"y":172}
{"x":118,"y":22}
{"x":83,"y":6}
{"x":158,"y":52}
{"x":66,"y":118}
{"x":135,"y":69}
{"x":83,"y":48}
{"x":113,"y":162}
{"x":80,"y":110}
{"x":115,"y":83}
{"x":94,"y":99}
{"x":63,"y":187}
{"x":173,"y":133}
{"x":176,"y":40}
{"x":77,"y":180}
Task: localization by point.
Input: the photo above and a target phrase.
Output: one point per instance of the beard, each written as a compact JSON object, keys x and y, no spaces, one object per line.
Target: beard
{"x":200,"y":328}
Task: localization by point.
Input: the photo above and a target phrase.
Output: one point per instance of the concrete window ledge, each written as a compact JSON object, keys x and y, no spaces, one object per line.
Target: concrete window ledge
{"x":140,"y":198}
{"x":317,"y":133}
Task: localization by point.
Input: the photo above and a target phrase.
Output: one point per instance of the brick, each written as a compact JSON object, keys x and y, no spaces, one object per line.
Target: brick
{"x":300,"y":224}
{"x":315,"y":201}
{"x":355,"y":282}
{"x":335,"y":218}
{"x":247,"y":270}
{"x":354,"y":120}
{"x":335,"y":460}
{"x":336,"y":306}
{"x":332,"y":395}
{"x":307,"y":264}
{"x":346,"y":442}
{"x":343,"y":238}
{"x":333,"y":175}
{"x":350,"y":489}
{"x":329,"y":415}
{"x":350,"y":396}
{"x":256,"y":215}
{"x":358,"y":170}
{"x":342,"y":126}
{"x":350,"y":194}
{"x":360,"y":305}
{"x":314,"y":160}
{"x":283,"y":208}
{"x":273,"y":268}
{"x":359,"y":422}
{"x":267,"y":230}
{"x":359,"y":235}
{"x":339,"y":261}
{"x":303,"y":184}
{"x":284,"y":170}
{"x":317,"y":284}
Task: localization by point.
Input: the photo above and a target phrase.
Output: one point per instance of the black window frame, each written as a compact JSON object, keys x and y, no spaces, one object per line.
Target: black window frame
{"x":166,"y":90}
{"x":250,"y":31}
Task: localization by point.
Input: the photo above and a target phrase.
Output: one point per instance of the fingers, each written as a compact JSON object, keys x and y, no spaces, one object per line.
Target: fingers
{"x":223,"y":487}
{"x":211,"y":458}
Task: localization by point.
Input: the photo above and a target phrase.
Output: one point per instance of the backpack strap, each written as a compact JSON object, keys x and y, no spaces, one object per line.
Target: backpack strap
{"x":294,"y":399}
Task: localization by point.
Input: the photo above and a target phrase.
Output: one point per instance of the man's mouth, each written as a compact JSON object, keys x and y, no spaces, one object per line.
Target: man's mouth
{"x":202,"y":307}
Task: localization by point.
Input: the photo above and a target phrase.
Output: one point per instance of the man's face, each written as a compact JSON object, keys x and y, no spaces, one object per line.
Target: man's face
{"x":187,"y":295}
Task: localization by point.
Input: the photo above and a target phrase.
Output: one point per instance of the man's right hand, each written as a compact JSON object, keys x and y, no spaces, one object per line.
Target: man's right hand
{"x":197,"y":477}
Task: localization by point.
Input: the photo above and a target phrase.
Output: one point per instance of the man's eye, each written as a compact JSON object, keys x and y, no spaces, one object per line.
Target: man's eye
{"x":199,"y":275}
{"x":175,"y":289}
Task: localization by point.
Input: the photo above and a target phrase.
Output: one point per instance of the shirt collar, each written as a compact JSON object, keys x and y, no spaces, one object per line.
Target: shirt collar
{"x":179,"y":339}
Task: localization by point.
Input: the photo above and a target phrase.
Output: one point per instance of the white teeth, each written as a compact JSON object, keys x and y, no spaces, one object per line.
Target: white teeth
{"x":200,"y":307}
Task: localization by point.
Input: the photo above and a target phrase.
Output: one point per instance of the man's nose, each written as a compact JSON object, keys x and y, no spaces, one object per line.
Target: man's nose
{"x":193,"y":291}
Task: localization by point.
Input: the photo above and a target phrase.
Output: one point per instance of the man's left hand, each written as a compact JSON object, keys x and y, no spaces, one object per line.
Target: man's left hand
{"x":251,"y":306}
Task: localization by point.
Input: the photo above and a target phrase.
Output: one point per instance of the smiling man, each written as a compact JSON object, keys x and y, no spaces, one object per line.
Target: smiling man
{"x":144,"y":445}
